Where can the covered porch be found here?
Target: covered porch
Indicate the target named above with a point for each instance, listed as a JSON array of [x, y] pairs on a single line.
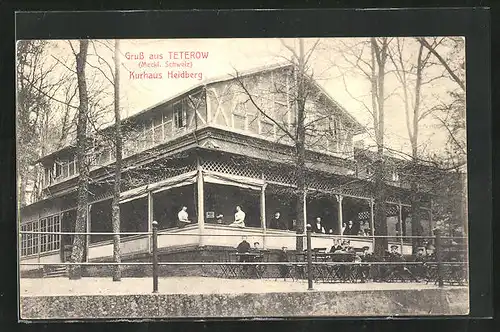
[[214, 186]]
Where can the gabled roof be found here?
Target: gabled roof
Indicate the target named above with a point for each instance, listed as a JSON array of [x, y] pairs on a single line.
[[223, 78]]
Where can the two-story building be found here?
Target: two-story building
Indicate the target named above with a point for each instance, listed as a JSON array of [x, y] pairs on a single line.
[[221, 144]]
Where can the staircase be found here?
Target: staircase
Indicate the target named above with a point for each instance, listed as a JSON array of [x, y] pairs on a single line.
[[56, 271]]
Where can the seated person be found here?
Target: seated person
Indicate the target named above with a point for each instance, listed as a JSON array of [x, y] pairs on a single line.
[[351, 250], [256, 247], [239, 218], [350, 228], [394, 251], [318, 226], [283, 257], [337, 245], [182, 217], [277, 222], [420, 256], [243, 248], [345, 244], [365, 251]]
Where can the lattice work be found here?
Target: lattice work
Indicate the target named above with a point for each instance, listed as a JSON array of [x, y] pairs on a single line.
[[279, 176], [392, 210], [365, 215], [157, 171], [321, 184], [232, 167]]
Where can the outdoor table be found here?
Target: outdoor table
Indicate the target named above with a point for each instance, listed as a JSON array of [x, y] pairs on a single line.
[[344, 272], [398, 272], [250, 270], [454, 273]]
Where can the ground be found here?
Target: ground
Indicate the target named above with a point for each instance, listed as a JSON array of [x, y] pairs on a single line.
[[193, 285]]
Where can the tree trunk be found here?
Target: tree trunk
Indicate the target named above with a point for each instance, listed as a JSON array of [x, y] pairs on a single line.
[[379, 59], [301, 189], [379, 207], [415, 208], [79, 242], [300, 147], [118, 169]]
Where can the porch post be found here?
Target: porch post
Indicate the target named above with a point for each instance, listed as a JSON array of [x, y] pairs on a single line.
[[201, 202], [340, 221], [39, 237], [430, 218], [304, 229], [87, 237], [400, 217], [305, 212], [150, 217], [263, 212], [372, 222]]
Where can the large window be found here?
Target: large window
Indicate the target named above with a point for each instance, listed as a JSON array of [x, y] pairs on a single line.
[[62, 169], [223, 199], [39, 243], [168, 203], [100, 220], [134, 216]]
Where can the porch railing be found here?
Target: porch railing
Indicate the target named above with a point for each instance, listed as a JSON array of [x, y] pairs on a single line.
[[313, 267]]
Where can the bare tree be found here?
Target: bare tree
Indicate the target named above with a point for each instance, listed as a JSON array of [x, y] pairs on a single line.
[[115, 205], [82, 158], [379, 58], [405, 70], [368, 58], [453, 71], [413, 76], [297, 94], [36, 127]]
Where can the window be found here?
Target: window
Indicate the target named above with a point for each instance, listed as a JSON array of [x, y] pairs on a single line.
[[167, 125], [141, 139], [395, 176], [239, 117], [65, 170], [58, 169], [43, 237], [24, 242], [47, 176], [103, 156], [148, 136], [72, 167], [158, 129], [31, 243], [179, 115]]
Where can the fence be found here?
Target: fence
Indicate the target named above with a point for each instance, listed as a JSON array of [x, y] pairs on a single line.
[[316, 264]]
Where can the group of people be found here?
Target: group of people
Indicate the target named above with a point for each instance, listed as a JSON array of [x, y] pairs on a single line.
[[276, 222], [239, 218], [351, 228]]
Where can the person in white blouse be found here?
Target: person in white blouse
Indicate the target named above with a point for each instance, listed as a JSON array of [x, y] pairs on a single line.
[[239, 218], [183, 218]]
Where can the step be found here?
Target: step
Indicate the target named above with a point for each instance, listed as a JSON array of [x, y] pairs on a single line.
[[54, 276], [56, 271]]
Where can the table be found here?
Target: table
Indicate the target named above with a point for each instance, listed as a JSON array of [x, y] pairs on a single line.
[[245, 270]]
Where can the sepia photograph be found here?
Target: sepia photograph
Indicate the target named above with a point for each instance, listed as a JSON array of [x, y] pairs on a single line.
[[242, 177]]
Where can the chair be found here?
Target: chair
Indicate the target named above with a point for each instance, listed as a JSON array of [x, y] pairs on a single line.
[[286, 270]]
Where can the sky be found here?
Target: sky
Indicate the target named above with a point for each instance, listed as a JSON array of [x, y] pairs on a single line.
[[225, 56]]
